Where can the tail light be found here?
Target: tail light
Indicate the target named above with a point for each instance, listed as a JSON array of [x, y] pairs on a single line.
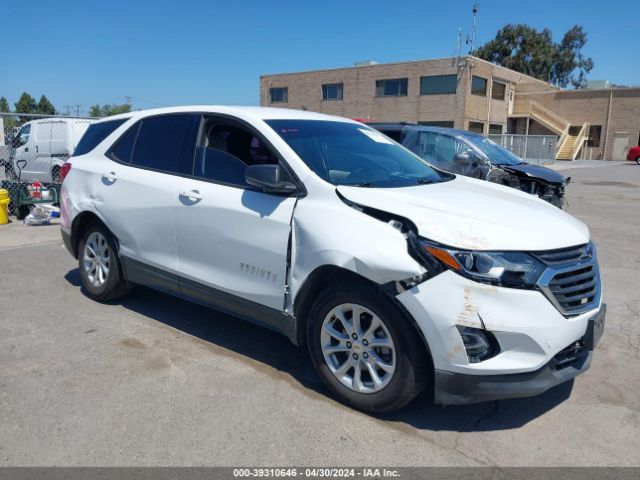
[[64, 170]]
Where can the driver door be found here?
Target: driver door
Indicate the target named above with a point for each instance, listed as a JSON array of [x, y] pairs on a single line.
[[232, 239]]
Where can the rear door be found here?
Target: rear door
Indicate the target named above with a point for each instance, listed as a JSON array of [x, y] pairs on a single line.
[[136, 194]]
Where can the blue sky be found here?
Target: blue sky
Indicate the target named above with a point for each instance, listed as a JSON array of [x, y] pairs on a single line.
[[170, 52]]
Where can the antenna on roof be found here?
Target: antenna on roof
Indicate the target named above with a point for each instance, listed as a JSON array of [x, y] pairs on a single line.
[[473, 30], [458, 44]]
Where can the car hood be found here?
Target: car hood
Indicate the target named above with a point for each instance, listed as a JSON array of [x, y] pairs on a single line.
[[534, 171], [472, 214]]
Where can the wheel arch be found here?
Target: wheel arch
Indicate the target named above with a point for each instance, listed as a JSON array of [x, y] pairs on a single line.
[[81, 224], [326, 274]]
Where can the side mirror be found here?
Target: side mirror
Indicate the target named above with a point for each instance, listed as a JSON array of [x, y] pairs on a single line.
[[269, 178], [464, 158], [23, 140]]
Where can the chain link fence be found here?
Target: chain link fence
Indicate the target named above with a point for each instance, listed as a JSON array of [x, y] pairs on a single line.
[[538, 149], [32, 150]]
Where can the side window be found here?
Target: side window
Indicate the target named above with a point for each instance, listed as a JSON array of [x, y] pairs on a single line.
[[95, 134], [122, 151], [427, 148], [225, 149], [166, 143], [446, 150], [23, 135]]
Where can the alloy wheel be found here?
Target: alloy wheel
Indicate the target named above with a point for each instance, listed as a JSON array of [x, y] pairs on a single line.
[[96, 259], [358, 348]]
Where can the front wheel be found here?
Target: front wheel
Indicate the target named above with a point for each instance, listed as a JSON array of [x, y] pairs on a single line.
[[365, 349], [100, 271], [638, 160]]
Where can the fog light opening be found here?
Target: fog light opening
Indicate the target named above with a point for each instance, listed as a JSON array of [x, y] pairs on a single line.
[[479, 344]]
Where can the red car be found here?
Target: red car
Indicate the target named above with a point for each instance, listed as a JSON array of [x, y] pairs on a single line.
[[634, 154]]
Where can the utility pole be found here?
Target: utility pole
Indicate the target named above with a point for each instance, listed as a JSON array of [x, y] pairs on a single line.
[[77, 110], [473, 32]]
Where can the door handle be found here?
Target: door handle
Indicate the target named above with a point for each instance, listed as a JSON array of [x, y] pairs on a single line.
[[111, 176], [36, 149], [192, 195]]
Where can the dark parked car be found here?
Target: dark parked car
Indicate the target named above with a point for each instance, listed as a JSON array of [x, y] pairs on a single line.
[[473, 155]]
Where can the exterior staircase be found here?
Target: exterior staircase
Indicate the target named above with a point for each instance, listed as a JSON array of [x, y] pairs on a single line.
[[568, 145]]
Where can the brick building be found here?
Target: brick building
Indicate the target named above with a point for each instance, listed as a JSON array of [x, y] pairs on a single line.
[[467, 93]]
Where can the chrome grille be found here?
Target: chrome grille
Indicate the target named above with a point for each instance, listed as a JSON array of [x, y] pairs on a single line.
[[572, 279]]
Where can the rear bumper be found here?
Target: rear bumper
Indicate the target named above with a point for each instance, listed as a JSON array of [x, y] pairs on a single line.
[[457, 388], [66, 239]]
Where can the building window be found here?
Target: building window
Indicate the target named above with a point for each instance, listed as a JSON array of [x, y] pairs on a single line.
[[438, 123], [279, 95], [332, 91], [438, 84], [476, 127], [498, 90], [594, 135], [479, 86], [395, 87], [495, 129]]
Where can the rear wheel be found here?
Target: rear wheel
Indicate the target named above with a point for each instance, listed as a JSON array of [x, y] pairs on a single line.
[[365, 349], [100, 270], [638, 160]]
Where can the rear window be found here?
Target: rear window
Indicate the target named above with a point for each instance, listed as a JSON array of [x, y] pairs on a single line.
[[95, 134], [167, 143]]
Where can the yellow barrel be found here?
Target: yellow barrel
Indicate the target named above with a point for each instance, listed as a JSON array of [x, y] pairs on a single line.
[[4, 206]]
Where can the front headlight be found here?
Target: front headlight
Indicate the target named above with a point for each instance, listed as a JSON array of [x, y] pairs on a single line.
[[506, 269]]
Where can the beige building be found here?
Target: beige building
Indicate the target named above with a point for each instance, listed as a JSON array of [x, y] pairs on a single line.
[[467, 93]]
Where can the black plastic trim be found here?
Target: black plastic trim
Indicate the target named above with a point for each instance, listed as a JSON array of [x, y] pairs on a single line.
[[143, 274], [456, 388], [66, 239]]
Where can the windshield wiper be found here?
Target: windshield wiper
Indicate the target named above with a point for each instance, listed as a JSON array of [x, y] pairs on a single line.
[[363, 184], [424, 181]]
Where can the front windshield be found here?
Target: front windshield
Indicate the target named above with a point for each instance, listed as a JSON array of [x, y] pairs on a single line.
[[343, 153], [494, 152]]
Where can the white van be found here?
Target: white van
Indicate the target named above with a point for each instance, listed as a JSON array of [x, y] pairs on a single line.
[[45, 145]]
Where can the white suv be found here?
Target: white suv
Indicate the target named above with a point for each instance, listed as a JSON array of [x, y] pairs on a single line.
[[396, 276]]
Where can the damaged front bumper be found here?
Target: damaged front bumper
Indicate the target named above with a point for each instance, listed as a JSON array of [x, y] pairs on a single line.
[[456, 388], [539, 347]]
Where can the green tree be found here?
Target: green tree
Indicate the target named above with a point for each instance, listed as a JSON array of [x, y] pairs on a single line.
[[45, 106], [524, 49], [108, 110], [9, 122], [26, 104]]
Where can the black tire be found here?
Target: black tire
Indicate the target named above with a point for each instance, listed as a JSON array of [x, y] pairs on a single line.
[[413, 366], [22, 211], [638, 160], [115, 286]]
